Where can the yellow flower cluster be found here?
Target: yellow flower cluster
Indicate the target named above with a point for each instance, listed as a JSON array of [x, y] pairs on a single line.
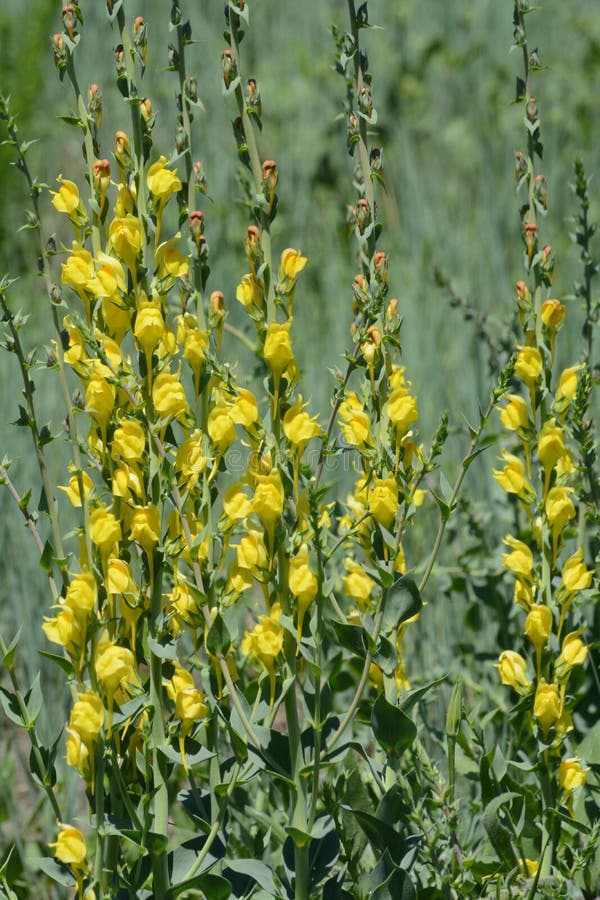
[[538, 423]]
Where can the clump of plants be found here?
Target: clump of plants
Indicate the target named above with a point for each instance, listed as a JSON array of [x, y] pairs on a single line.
[[234, 622]]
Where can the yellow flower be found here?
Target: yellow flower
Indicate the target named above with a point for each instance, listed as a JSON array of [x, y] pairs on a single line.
[[251, 552], [357, 584], [119, 577], [220, 428], [115, 670], [104, 529], [528, 366], [78, 755], [87, 717], [250, 292], [65, 629], [538, 625], [236, 504], [82, 594], [291, 264], [573, 653], [72, 489], [512, 669], [571, 775], [67, 199], [70, 846], [553, 313], [168, 396], [559, 508], [567, 387], [278, 351], [298, 426], [551, 446], [265, 643], [402, 410], [546, 705], [303, 584], [268, 498], [523, 594], [512, 477], [110, 277], [170, 261], [354, 421], [382, 500], [145, 527], [100, 398], [515, 415], [78, 271], [195, 347], [575, 576], [519, 560], [191, 460], [162, 182], [125, 237], [244, 409], [149, 327], [129, 441], [529, 867]]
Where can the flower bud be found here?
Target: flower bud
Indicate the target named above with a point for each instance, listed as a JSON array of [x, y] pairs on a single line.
[[380, 261], [200, 183], [146, 109], [530, 231], [197, 226], [229, 67], [69, 18]]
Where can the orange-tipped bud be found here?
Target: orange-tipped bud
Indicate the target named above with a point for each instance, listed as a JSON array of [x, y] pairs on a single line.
[[146, 109], [197, 226]]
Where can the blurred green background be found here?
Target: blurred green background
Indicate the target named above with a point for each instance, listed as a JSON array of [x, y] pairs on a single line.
[[443, 80]]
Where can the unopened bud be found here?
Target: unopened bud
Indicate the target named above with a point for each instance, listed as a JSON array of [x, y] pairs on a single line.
[[146, 109], [269, 170], [58, 51], [363, 214], [199, 177], [95, 103], [520, 166], [381, 263], [138, 23], [253, 97], [69, 18], [197, 226], [190, 87], [530, 231], [392, 309], [540, 192], [365, 100], [532, 110], [217, 305], [119, 54], [122, 148], [229, 67], [253, 248]]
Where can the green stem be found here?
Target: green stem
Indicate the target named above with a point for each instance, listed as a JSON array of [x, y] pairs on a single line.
[[255, 165], [160, 797], [212, 834], [29, 726]]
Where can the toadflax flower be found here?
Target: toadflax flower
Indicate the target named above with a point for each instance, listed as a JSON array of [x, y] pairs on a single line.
[[265, 643]]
